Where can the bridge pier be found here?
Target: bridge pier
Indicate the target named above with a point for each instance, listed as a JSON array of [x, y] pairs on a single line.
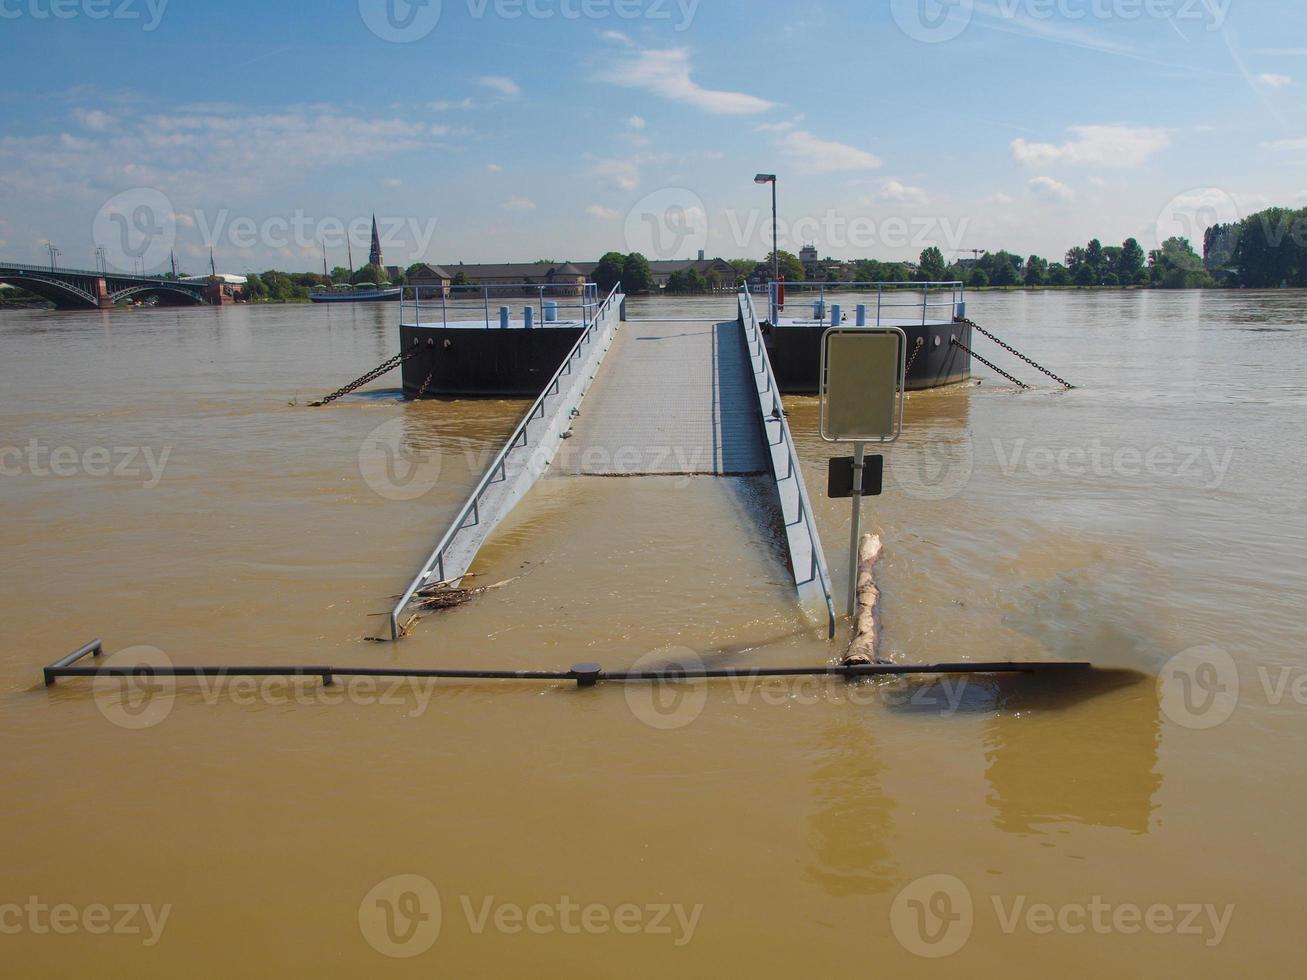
[[215, 294], [102, 297]]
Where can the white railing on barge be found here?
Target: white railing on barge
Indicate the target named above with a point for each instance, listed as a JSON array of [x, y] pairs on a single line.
[[464, 306], [948, 298]]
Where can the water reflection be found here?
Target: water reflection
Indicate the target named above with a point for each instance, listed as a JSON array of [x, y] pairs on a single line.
[[850, 830]]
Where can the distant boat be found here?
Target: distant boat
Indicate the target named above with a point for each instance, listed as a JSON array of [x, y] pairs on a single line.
[[364, 292]]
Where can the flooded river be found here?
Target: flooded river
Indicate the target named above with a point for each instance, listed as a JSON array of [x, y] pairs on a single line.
[[165, 487]]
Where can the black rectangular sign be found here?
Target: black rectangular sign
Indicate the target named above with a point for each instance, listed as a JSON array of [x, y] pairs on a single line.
[[841, 477]]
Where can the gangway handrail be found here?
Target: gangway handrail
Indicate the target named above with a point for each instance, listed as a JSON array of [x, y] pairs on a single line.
[[435, 564], [819, 570], [956, 302]]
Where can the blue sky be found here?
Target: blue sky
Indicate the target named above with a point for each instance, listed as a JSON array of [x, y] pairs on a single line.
[[485, 130]]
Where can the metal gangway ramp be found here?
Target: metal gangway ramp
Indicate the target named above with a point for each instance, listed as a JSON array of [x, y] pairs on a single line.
[[673, 398], [663, 398]]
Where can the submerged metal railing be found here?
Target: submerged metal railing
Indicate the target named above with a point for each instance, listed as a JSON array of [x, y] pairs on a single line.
[[818, 572], [432, 306], [433, 570], [950, 298], [586, 675]]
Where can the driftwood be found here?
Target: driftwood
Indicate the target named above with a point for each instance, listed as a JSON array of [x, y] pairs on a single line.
[[865, 648], [442, 595]]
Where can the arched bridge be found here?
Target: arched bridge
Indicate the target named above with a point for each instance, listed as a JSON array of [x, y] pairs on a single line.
[[80, 289]]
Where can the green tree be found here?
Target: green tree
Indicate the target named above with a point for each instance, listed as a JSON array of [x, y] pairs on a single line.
[[791, 267], [1084, 275], [1059, 275], [1095, 258], [341, 274], [637, 277], [369, 273], [608, 273], [979, 278], [932, 265], [1272, 249], [1036, 271], [1130, 267]]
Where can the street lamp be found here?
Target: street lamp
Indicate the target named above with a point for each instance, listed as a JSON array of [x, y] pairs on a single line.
[[54, 253], [775, 235]]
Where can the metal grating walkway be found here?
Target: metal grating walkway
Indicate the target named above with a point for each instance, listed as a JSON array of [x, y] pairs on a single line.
[[673, 398]]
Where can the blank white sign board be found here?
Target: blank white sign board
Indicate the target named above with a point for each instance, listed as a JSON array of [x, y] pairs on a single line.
[[862, 377]]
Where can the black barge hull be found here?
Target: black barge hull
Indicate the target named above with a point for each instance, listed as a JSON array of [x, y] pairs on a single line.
[[796, 356], [466, 362], [473, 363]]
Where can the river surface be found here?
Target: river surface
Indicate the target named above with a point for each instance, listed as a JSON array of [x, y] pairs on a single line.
[[166, 487]]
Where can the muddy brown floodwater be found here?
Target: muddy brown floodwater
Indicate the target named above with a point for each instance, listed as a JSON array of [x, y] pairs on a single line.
[[164, 486]]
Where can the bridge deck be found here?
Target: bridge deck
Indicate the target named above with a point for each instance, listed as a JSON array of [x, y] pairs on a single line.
[[673, 398]]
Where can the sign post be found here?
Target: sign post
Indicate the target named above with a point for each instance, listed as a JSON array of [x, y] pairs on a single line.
[[863, 373]]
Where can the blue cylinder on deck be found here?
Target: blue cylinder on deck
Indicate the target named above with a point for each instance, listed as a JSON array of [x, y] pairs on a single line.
[[819, 311], [962, 311], [862, 314], [835, 314], [530, 317], [503, 318], [551, 312]]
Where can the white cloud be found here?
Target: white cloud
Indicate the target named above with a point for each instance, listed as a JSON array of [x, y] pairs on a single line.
[[811, 155], [1001, 199], [200, 155], [1274, 81], [1097, 182], [622, 174], [94, 119], [897, 192], [668, 73], [1103, 146], [1051, 190], [617, 37], [494, 168], [602, 213], [518, 204], [393, 182], [1286, 145], [498, 83], [445, 105], [636, 122], [1301, 198], [776, 127]]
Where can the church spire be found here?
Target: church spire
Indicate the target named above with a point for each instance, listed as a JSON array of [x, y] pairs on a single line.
[[374, 257]]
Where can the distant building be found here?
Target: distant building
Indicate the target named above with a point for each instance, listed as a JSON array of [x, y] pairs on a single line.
[[718, 272], [502, 275], [810, 261]]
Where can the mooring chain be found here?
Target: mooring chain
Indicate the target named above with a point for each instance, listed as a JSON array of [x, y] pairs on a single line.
[[1012, 350], [425, 385], [912, 360], [376, 372], [992, 367]]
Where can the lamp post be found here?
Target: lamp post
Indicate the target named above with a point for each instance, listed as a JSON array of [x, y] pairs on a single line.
[[775, 235], [54, 254]]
